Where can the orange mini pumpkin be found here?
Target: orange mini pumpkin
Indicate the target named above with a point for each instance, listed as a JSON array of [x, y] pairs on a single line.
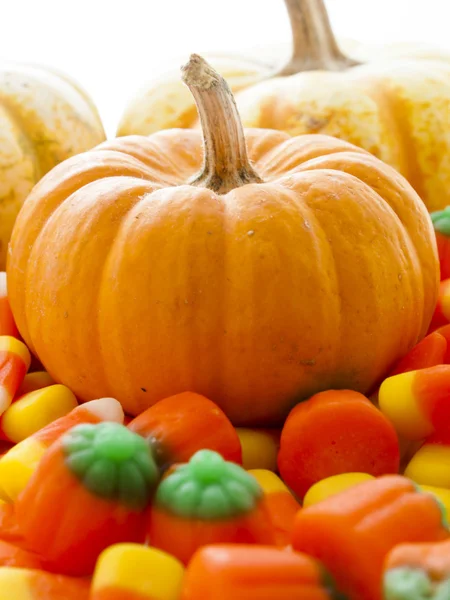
[[396, 105], [282, 267], [45, 117]]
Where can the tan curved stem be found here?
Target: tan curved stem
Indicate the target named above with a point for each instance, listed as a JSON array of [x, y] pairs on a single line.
[[314, 44], [226, 164]]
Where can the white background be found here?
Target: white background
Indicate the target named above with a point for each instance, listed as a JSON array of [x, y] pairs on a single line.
[[112, 47]]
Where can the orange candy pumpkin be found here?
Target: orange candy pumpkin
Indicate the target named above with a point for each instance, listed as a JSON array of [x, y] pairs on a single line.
[[282, 267]]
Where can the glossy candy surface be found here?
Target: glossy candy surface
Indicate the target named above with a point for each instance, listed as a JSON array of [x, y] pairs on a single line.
[[335, 432], [90, 490], [418, 572], [441, 314], [179, 426], [259, 448], [330, 486], [136, 572], [30, 584], [207, 500], [417, 402], [15, 361], [35, 410], [162, 510], [352, 532], [281, 505], [7, 324], [429, 352], [430, 465], [243, 572], [19, 463]]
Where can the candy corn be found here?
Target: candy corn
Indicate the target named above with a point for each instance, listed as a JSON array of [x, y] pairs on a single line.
[[417, 402], [429, 352], [15, 361], [430, 464], [30, 584], [34, 410], [7, 324], [136, 572], [281, 505], [442, 495], [333, 485], [259, 448], [19, 463]]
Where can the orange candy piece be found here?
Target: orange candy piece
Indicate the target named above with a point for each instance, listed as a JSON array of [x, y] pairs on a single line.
[[335, 432], [117, 594], [433, 558], [245, 572], [418, 571], [281, 506], [14, 556], [208, 501], [432, 388], [351, 533], [445, 332], [444, 254], [418, 402], [15, 361], [429, 352], [19, 463], [7, 324], [441, 314], [182, 537], [182, 424], [67, 523], [9, 528]]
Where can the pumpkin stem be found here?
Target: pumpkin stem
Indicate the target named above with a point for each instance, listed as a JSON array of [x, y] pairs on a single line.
[[226, 164], [314, 44]]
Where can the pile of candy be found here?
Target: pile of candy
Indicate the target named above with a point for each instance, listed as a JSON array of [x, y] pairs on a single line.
[[177, 504]]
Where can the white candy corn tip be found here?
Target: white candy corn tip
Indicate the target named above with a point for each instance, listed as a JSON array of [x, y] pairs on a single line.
[[106, 409], [5, 400], [3, 287]]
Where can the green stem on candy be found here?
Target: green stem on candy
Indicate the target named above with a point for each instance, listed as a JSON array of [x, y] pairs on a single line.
[[208, 488], [112, 462]]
